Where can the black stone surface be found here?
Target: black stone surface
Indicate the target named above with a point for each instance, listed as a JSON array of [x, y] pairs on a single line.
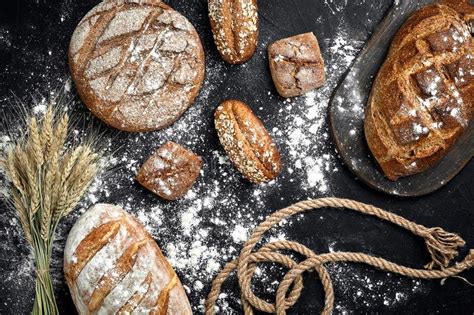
[[29, 29]]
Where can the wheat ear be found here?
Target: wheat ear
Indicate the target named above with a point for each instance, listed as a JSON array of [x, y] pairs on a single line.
[[47, 180]]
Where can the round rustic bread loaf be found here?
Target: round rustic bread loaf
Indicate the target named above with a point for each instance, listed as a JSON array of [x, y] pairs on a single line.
[[247, 142], [137, 64]]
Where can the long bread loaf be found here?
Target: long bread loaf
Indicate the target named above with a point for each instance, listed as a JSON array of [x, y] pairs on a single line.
[[113, 266], [423, 97]]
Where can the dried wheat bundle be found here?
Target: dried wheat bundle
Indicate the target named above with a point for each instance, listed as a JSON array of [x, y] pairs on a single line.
[[47, 180]]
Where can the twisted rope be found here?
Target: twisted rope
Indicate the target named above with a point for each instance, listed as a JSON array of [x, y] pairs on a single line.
[[441, 245]]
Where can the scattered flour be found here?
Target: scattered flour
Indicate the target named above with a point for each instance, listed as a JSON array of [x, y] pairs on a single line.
[[361, 285], [206, 228], [335, 6], [305, 135], [239, 235]]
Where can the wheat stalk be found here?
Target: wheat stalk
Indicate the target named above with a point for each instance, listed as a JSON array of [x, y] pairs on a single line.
[[35, 144], [47, 180]]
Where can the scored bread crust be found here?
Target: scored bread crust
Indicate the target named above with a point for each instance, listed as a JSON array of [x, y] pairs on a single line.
[[137, 64], [234, 25], [296, 64], [247, 142], [112, 265], [420, 103], [170, 171]]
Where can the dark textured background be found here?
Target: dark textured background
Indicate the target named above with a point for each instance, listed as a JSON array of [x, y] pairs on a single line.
[[31, 28]]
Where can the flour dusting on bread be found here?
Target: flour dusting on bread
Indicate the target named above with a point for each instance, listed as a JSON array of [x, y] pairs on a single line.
[[422, 99], [137, 65], [116, 270]]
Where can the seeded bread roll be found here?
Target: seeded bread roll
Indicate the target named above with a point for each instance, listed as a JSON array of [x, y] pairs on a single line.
[[423, 97], [170, 171], [137, 64], [113, 266], [247, 142], [234, 24]]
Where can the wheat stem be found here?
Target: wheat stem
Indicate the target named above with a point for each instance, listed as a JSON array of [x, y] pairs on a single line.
[[47, 180]]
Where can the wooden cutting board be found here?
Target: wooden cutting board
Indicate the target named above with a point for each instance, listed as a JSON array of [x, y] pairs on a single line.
[[346, 115]]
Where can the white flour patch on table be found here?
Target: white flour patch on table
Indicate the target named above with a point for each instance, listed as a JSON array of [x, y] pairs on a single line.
[[5, 38], [336, 6], [355, 285], [239, 234], [305, 135]]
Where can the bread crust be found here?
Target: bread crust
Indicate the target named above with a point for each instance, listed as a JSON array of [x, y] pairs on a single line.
[[422, 99], [234, 25], [170, 171], [247, 142], [113, 265], [137, 64], [296, 65]]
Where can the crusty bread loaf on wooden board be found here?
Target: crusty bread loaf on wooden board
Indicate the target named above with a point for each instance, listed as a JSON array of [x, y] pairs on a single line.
[[113, 266], [423, 97]]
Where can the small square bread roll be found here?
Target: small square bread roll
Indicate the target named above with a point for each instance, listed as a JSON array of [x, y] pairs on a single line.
[[170, 171], [296, 65]]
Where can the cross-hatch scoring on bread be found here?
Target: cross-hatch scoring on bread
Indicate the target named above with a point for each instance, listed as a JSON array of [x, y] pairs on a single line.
[[296, 65], [423, 97]]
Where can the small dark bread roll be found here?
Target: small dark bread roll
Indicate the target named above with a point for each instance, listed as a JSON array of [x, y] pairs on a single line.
[[234, 25], [170, 171], [137, 64], [296, 65], [247, 142]]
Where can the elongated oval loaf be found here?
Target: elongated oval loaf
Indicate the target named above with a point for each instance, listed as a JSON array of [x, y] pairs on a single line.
[[113, 266], [423, 97], [234, 24], [247, 142]]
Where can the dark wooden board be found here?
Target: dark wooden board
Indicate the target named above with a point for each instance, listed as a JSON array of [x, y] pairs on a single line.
[[347, 118]]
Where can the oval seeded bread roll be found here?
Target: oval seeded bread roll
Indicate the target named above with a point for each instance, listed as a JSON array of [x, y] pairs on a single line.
[[423, 97], [113, 266], [234, 25], [247, 142], [137, 64]]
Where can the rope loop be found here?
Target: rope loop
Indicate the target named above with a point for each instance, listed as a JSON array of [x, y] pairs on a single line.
[[441, 245]]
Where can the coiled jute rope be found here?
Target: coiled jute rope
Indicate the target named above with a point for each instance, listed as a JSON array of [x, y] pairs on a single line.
[[441, 245]]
